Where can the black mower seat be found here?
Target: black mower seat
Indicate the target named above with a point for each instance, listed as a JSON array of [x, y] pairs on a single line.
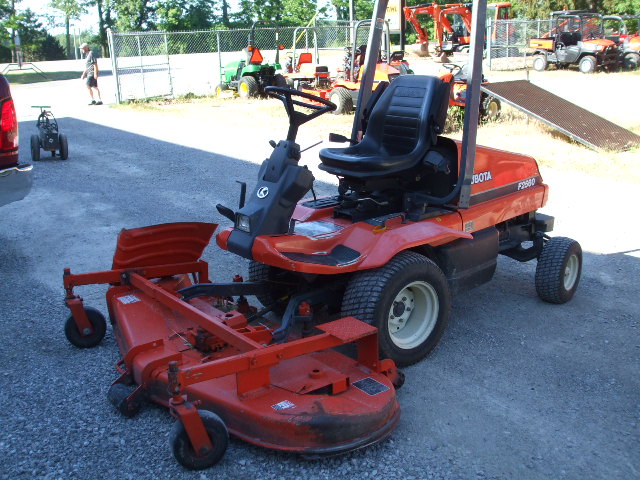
[[403, 126]]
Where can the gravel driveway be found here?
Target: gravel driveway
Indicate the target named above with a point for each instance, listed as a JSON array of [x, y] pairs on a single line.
[[517, 389]]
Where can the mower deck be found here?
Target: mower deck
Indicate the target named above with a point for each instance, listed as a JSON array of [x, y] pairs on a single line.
[[299, 396]]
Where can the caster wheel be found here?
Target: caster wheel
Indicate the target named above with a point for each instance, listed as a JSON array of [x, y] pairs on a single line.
[[184, 452], [88, 340]]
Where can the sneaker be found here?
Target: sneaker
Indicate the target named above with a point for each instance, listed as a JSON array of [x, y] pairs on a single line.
[[93, 102], [99, 102]]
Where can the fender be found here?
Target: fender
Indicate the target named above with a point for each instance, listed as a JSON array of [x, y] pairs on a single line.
[[341, 251]]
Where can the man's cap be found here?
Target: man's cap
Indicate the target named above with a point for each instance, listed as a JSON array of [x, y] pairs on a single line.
[[82, 46]]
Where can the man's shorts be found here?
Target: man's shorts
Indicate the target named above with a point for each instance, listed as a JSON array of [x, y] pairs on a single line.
[[92, 82]]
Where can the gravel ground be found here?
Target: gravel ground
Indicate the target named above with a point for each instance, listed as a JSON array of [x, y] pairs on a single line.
[[516, 389]]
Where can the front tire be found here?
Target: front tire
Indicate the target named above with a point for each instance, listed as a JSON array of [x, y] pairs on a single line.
[[587, 64], [490, 109], [407, 299], [184, 452], [35, 148], [558, 270], [342, 98]]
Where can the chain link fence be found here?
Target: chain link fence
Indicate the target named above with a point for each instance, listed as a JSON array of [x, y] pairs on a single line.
[[152, 64], [508, 42]]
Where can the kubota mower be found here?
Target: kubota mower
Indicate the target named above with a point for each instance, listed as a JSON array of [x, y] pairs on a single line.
[[416, 216], [489, 105], [302, 71]]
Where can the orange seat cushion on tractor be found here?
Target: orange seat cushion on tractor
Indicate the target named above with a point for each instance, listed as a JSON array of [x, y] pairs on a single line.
[[304, 58]]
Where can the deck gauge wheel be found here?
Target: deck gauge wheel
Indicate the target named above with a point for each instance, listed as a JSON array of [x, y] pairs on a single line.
[[184, 452], [86, 339]]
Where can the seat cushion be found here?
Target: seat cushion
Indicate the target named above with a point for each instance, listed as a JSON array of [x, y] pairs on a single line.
[[400, 130]]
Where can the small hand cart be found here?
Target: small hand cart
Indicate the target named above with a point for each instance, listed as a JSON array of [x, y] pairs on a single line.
[[48, 138]]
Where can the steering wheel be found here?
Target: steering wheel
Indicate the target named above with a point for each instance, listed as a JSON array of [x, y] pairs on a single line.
[[297, 118], [452, 67]]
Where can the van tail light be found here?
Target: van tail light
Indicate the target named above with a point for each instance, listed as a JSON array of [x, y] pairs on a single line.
[[8, 127]]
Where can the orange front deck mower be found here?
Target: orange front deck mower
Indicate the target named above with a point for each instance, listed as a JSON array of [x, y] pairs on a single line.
[[416, 217]]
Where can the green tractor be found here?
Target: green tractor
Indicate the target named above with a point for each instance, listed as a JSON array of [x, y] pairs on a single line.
[[250, 77]]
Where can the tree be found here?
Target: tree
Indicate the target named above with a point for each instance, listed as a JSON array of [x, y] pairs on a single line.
[[363, 9], [72, 10], [134, 15], [177, 15]]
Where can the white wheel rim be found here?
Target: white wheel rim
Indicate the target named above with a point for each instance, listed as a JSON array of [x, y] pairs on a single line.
[[571, 272], [585, 66], [538, 64], [413, 315]]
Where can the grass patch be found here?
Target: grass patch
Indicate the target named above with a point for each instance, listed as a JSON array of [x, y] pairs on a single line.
[[29, 76]]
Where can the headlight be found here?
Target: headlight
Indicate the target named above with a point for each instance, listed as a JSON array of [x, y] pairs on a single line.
[[243, 223]]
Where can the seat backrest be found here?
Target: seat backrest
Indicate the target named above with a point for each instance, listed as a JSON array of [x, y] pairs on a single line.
[[410, 114], [305, 57]]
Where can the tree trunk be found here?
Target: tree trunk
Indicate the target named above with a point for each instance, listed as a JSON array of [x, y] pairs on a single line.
[[225, 14], [68, 36]]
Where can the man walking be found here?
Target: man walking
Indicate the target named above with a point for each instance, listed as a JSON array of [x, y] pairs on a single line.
[[91, 73]]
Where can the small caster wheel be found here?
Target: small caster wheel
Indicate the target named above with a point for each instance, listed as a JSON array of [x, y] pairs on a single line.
[[117, 396], [184, 452], [88, 340]]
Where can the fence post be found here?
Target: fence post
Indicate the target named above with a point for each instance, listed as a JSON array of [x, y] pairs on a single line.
[[219, 58], [114, 64], [166, 47], [490, 28], [144, 88]]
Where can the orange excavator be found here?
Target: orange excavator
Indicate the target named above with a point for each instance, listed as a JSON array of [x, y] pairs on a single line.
[[452, 23]]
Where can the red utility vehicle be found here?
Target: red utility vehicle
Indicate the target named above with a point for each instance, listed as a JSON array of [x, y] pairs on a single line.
[[627, 38]]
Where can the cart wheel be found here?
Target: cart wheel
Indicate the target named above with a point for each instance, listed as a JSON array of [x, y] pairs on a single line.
[[117, 396], [587, 64], [540, 63], [407, 299], [558, 270], [248, 87], [183, 451], [342, 98], [64, 146], [86, 341], [35, 148]]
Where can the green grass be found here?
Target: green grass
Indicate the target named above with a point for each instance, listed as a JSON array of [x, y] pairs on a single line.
[[31, 76]]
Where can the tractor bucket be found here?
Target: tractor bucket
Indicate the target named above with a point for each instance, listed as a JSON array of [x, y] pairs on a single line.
[[420, 49]]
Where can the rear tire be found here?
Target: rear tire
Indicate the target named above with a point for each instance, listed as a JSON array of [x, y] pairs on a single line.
[[248, 87], [587, 64], [280, 81], [35, 148], [342, 98], [540, 63], [558, 270], [64, 146], [184, 452], [221, 87], [407, 299]]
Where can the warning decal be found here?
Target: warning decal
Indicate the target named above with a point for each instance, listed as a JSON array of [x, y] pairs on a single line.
[[370, 386]]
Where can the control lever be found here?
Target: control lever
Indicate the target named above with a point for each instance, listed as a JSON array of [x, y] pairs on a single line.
[[273, 143], [226, 211]]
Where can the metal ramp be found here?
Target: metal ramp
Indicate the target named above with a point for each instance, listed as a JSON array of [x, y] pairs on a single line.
[[577, 123]]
